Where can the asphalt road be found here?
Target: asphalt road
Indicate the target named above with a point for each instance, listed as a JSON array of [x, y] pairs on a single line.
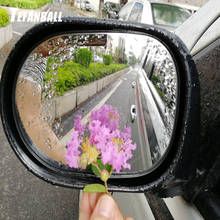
[[24, 196]]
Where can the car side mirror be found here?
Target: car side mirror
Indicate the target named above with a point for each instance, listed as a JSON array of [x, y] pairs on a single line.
[[87, 90]]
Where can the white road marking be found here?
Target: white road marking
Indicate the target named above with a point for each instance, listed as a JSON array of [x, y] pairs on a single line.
[[48, 10], [20, 34], [85, 119]]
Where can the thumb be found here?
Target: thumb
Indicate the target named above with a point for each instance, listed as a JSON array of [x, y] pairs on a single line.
[[106, 209]]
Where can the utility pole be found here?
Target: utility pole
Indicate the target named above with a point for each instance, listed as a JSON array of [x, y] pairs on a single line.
[[101, 2], [72, 2]]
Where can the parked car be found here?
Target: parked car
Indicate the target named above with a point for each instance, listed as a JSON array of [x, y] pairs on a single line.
[[88, 6], [83, 5], [110, 10], [163, 15]]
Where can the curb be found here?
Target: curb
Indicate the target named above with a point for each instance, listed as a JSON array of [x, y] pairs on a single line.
[[12, 10], [62, 105], [5, 35]]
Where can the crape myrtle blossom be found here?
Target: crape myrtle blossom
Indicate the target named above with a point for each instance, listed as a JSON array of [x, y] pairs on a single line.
[[78, 126], [105, 141], [73, 152], [107, 116]]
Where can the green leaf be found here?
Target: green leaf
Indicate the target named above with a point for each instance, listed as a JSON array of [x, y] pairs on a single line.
[[89, 167], [108, 167], [94, 188], [100, 164], [95, 170]]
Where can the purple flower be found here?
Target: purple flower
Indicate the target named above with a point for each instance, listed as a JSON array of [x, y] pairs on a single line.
[[78, 126], [73, 152], [126, 134], [116, 151], [107, 116], [105, 140]]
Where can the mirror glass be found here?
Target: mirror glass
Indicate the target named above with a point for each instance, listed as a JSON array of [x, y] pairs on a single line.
[[115, 86]]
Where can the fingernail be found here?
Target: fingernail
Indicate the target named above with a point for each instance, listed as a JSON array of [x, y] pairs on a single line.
[[105, 207]]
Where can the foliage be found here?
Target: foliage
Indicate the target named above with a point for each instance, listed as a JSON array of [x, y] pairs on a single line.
[[120, 56], [94, 188], [107, 59], [155, 79], [4, 18], [28, 4], [83, 56], [70, 74]]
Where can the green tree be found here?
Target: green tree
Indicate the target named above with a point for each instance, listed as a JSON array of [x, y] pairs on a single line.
[[107, 59], [83, 56]]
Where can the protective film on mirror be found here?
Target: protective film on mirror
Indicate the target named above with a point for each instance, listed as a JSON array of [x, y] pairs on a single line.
[[107, 96]]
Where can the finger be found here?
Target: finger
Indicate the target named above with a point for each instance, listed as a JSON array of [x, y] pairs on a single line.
[[106, 209], [87, 205], [129, 218], [93, 199], [84, 211]]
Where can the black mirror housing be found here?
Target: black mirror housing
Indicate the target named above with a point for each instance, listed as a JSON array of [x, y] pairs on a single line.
[[174, 174]]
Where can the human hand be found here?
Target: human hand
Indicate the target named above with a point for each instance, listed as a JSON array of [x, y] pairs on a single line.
[[99, 206]]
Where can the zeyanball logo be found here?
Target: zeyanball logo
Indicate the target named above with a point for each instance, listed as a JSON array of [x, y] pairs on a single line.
[[36, 16]]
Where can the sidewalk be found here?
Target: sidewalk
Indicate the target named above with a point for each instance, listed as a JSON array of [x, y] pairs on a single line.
[[5, 50]]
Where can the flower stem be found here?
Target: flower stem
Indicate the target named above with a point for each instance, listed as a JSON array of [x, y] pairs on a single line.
[[111, 172], [106, 187]]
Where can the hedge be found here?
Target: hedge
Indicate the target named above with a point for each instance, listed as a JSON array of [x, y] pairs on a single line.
[[71, 74], [27, 4], [4, 18]]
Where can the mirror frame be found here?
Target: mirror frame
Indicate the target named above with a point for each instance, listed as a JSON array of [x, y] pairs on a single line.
[[174, 173]]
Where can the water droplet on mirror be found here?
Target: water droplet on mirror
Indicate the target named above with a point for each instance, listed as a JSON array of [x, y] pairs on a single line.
[[164, 52], [66, 41], [34, 56], [54, 66]]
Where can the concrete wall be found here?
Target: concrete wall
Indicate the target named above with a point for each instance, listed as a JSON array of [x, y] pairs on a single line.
[[5, 35], [59, 106]]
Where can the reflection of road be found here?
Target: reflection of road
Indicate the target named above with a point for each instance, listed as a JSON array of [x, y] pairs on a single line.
[[120, 95]]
